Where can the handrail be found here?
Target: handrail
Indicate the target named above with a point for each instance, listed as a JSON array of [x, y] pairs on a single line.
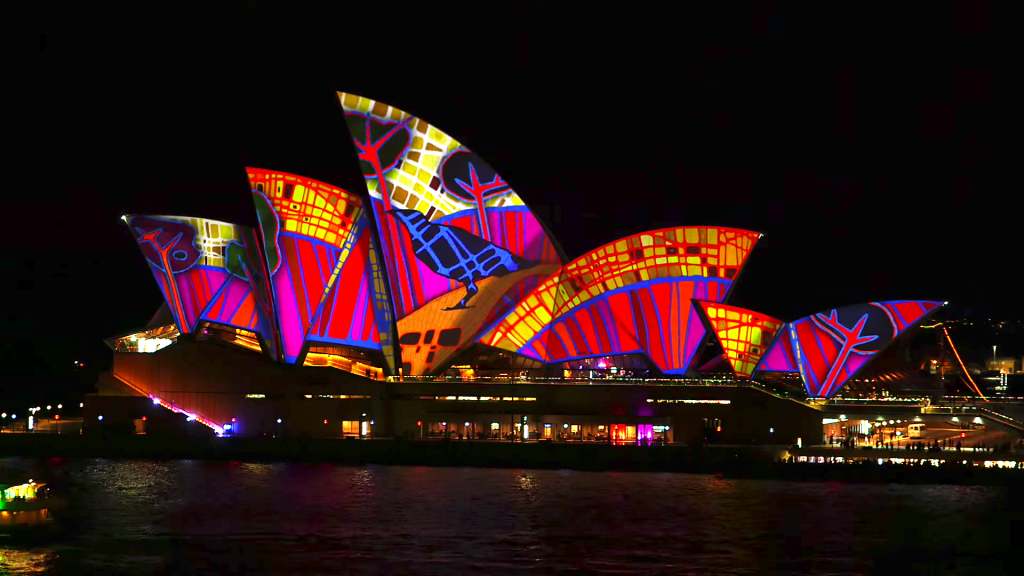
[[1006, 420], [572, 382], [697, 382], [760, 388]]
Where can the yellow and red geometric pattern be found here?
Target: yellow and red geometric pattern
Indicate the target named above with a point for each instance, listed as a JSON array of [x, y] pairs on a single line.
[[317, 229], [691, 251], [416, 185], [744, 334], [309, 207]]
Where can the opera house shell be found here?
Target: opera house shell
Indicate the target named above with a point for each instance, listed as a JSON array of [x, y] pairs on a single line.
[[438, 274]]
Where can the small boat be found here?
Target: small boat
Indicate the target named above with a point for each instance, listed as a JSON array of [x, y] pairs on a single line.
[[26, 510]]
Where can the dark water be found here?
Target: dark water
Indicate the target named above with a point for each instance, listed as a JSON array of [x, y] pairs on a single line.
[[195, 517]]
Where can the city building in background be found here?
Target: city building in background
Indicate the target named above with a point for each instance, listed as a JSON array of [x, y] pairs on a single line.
[[1004, 365]]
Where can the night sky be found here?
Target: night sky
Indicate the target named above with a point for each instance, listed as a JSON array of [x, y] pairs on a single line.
[[872, 171]]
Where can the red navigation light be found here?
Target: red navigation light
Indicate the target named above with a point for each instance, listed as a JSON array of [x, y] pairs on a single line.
[[419, 422]]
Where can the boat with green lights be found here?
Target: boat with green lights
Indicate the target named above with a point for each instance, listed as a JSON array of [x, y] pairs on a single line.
[[27, 509]]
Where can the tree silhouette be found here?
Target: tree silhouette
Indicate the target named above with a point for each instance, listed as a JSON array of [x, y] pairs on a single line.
[[270, 226], [850, 340], [170, 248], [467, 177], [380, 145]]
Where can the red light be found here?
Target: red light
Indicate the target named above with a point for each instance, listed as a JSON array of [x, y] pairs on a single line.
[[419, 422], [56, 417], [325, 421], [963, 434], [143, 418], [719, 429], [234, 419]]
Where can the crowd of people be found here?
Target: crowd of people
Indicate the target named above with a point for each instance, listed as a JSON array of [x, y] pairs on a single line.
[[937, 445], [898, 462]]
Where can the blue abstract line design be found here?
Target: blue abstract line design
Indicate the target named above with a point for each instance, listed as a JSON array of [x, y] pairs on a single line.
[[456, 254]]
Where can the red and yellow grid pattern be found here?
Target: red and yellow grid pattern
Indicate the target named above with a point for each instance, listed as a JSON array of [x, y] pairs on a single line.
[[692, 251], [309, 207], [744, 334], [414, 182]]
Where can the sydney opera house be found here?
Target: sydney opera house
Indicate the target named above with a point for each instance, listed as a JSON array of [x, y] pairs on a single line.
[[434, 303]]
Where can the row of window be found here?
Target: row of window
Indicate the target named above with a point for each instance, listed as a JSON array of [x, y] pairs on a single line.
[[479, 398], [686, 401], [312, 396]]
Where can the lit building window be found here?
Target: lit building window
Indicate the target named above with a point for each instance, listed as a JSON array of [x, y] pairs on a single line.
[[343, 359], [686, 401], [147, 341]]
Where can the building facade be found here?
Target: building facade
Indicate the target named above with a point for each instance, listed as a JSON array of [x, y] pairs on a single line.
[[437, 297]]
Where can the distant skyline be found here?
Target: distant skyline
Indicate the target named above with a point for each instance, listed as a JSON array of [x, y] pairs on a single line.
[[869, 182]]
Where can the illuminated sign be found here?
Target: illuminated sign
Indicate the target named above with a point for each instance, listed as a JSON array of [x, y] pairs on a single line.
[[255, 396]]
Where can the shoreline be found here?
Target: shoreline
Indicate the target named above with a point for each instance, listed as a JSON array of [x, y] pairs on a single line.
[[540, 455], [735, 462]]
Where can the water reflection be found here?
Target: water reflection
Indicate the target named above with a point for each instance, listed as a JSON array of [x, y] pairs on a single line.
[[31, 561], [527, 485], [257, 468], [138, 517]]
